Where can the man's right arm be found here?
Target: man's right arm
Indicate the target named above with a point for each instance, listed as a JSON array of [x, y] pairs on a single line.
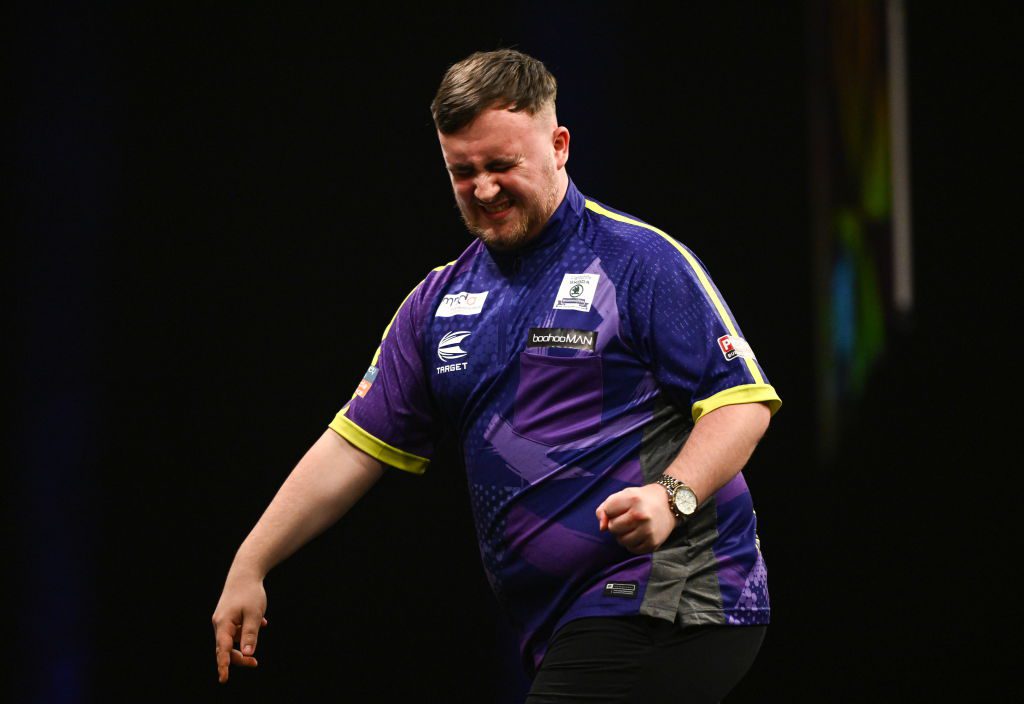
[[331, 477]]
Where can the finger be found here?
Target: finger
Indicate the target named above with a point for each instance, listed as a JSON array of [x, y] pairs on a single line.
[[637, 541], [622, 525], [250, 632], [225, 639], [244, 660], [629, 521], [618, 503], [637, 515], [602, 520]]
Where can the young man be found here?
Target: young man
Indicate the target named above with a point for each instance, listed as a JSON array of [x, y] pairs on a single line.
[[605, 403]]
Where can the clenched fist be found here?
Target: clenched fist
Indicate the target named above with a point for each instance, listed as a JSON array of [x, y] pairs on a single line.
[[638, 517]]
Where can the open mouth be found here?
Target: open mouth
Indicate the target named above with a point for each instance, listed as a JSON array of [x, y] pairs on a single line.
[[498, 210]]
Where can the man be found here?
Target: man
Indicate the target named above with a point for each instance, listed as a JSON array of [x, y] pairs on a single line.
[[605, 403]]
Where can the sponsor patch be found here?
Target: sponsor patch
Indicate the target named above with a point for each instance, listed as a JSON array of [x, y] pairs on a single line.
[[625, 590], [733, 347], [562, 337], [448, 348], [462, 303], [576, 292], [367, 382], [456, 367]]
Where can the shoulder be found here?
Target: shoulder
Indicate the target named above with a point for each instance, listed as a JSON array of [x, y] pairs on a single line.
[[437, 281], [626, 242]]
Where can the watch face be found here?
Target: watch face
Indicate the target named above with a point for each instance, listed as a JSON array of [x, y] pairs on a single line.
[[686, 501]]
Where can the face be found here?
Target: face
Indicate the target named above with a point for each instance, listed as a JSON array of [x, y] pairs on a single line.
[[508, 173]]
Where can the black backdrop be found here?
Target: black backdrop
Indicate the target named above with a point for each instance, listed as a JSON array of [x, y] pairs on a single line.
[[216, 211]]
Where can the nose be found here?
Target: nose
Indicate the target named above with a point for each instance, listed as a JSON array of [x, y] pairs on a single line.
[[485, 187]]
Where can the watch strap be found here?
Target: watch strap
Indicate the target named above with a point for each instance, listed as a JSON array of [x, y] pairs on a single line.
[[672, 485]]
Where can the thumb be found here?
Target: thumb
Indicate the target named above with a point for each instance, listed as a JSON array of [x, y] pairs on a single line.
[[250, 631]]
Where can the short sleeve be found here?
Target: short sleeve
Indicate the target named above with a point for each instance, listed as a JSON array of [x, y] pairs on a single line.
[[391, 415], [686, 332]]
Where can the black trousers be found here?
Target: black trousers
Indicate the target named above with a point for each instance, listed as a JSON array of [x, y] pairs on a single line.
[[643, 659]]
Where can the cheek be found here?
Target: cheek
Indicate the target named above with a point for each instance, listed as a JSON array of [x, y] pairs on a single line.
[[513, 186], [463, 192]]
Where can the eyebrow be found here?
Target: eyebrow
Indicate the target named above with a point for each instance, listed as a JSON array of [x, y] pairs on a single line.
[[498, 161]]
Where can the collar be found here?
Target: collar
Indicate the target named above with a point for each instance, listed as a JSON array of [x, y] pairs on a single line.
[[561, 223]]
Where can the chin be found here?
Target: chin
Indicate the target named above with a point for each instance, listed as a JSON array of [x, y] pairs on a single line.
[[502, 244], [503, 240], [509, 237]]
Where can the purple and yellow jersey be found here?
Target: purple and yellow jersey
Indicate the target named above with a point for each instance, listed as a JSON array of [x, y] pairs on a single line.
[[569, 370]]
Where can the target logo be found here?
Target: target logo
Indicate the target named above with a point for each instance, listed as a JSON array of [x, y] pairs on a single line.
[[448, 348]]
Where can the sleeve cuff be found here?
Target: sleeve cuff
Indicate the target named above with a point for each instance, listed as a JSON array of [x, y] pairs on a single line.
[[747, 393], [377, 448]]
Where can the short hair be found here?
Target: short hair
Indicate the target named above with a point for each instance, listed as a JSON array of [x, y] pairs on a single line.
[[504, 78]]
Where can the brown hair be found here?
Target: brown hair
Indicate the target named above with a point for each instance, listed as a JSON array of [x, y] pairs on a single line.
[[504, 78]]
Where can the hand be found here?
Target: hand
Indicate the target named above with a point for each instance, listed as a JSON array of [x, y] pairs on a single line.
[[638, 517], [237, 621]]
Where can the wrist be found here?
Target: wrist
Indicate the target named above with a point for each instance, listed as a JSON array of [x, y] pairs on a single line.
[[682, 500], [660, 505], [247, 565]]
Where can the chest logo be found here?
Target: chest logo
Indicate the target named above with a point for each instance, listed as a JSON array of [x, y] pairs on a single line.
[[562, 337], [448, 348], [462, 303], [576, 292]]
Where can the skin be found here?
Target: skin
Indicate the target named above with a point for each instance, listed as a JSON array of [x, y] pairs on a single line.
[[508, 173], [515, 163], [719, 446], [331, 477]]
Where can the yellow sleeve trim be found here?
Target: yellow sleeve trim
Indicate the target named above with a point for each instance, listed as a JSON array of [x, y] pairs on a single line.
[[701, 276], [377, 448], [747, 393]]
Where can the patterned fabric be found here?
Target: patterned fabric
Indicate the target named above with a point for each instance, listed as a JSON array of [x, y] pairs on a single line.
[[569, 370]]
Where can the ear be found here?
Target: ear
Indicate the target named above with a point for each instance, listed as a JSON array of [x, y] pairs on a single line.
[[560, 142]]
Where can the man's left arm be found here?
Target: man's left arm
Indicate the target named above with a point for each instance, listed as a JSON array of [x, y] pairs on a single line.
[[718, 447]]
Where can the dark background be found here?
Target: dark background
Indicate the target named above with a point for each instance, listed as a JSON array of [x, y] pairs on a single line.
[[215, 212]]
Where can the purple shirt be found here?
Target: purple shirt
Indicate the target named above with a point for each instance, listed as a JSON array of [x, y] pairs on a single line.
[[569, 370]]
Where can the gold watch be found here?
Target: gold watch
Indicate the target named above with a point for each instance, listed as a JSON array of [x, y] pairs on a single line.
[[681, 499]]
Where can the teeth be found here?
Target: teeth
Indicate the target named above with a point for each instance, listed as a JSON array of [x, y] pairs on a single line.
[[495, 207]]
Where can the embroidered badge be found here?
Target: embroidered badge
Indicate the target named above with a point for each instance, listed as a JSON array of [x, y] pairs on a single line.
[[562, 337], [462, 303], [576, 292], [367, 382], [733, 347], [625, 590]]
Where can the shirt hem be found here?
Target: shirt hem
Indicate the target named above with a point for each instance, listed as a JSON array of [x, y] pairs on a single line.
[[726, 617]]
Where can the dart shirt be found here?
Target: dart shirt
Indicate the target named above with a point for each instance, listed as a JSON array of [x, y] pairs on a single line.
[[568, 370]]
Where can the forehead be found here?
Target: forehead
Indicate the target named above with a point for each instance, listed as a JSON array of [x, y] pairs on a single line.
[[494, 132]]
